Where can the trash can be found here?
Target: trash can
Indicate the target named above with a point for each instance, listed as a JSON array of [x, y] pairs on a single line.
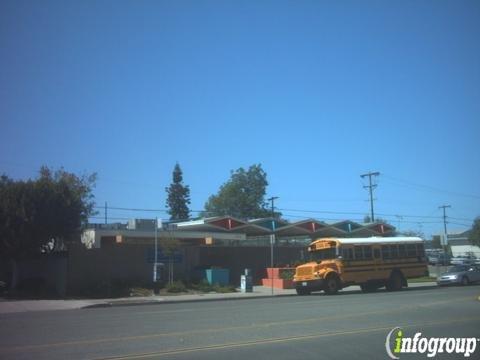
[[246, 283]]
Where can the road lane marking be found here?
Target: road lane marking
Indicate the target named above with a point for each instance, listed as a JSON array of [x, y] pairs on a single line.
[[278, 340], [224, 329]]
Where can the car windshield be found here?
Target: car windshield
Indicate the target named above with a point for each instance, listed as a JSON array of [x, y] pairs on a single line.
[[320, 255], [457, 268]]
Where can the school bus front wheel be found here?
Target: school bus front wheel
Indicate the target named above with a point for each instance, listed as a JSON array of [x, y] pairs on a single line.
[[332, 284]]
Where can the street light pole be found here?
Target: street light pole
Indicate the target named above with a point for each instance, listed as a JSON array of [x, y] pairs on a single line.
[[272, 237]]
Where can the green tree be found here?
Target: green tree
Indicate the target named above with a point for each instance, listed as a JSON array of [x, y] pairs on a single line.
[[39, 215], [178, 196], [474, 235], [242, 196]]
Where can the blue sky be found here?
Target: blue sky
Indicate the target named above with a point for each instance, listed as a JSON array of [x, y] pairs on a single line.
[[318, 92]]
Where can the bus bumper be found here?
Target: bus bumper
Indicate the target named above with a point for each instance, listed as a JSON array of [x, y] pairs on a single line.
[[310, 285]]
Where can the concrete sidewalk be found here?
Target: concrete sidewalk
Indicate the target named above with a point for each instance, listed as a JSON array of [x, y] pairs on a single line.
[[15, 306]]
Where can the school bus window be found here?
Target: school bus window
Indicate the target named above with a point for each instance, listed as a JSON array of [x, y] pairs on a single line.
[[385, 252], [420, 250], [393, 251], [324, 254], [358, 253], [367, 252], [347, 254], [401, 251], [411, 250], [376, 253]]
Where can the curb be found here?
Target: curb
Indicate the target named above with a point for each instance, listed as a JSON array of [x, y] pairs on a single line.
[[97, 306], [158, 302], [133, 302]]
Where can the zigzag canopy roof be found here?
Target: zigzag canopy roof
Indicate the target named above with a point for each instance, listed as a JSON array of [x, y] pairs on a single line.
[[283, 228]]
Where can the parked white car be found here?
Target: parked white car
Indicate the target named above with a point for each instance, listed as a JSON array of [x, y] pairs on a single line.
[[460, 275]]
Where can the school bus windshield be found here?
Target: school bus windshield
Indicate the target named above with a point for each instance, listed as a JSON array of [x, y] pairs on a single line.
[[324, 254]]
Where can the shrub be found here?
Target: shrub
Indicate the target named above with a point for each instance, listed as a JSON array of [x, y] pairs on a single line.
[[176, 287], [287, 274], [140, 291], [224, 289], [204, 286]]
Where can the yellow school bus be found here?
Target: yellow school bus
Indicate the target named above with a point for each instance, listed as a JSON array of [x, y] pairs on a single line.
[[372, 263]]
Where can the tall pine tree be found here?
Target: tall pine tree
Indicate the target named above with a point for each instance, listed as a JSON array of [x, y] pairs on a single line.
[[178, 197]]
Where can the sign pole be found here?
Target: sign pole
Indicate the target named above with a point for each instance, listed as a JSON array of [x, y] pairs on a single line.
[[272, 237], [156, 255]]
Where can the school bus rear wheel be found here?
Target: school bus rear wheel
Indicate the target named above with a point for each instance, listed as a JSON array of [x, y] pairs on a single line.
[[394, 283]]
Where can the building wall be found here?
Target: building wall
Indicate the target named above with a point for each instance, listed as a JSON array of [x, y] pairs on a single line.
[[91, 269], [462, 250], [256, 258], [45, 275]]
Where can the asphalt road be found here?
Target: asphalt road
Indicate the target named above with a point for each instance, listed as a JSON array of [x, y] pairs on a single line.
[[346, 326]]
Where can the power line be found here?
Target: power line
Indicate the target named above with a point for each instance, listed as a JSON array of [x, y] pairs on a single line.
[[360, 213], [361, 220], [110, 218], [132, 209], [324, 212], [297, 210], [461, 219], [455, 223], [430, 188], [142, 210]]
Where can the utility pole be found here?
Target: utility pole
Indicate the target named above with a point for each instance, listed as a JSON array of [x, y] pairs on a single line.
[[272, 236], [105, 213], [370, 187], [445, 236]]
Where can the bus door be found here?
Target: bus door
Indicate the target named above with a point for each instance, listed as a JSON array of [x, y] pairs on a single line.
[[347, 258]]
